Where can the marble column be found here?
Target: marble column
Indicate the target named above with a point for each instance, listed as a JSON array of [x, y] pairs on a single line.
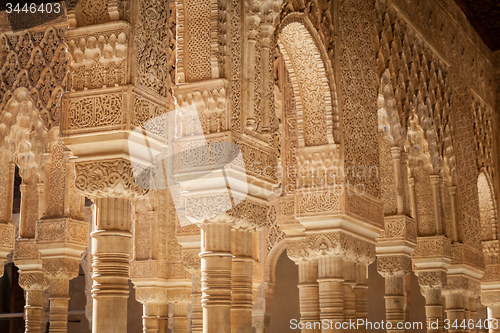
[[180, 317], [433, 309], [197, 310], [361, 294], [349, 275], [309, 294], [490, 297], [394, 269], [242, 263], [33, 283], [163, 318], [60, 272], [111, 248], [331, 290], [216, 265], [455, 310]]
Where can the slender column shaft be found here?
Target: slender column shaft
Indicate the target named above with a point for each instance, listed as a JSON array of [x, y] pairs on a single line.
[[266, 76], [162, 318], [361, 295], [413, 202], [249, 77], [241, 310], [453, 198], [394, 302], [309, 294], [331, 291], [216, 277], [434, 310], [455, 311], [494, 316], [180, 319], [33, 311], [58, 304], [197, 310], [436, 200], [466, 312], [349, 274], [111, 246], [396, 158], [473, 313], [150, 317]]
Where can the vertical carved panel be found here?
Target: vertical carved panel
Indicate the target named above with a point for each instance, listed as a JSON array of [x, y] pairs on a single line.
[[198, 40]]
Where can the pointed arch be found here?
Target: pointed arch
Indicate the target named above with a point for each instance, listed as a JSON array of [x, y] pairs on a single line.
[[315, 104], [487, 209]]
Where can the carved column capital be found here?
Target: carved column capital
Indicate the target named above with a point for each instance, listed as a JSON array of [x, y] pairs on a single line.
[[297, 249], [435, 279], [462, 284], [490, 298], [394, 265], [107, 178], [145, 294], [179, 295], [33, 281], [66, 268], [341, 244]]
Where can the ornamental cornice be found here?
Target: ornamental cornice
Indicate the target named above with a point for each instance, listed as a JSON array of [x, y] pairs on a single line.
[[463, 254], [399, 227], [63, 231], [432, 247]]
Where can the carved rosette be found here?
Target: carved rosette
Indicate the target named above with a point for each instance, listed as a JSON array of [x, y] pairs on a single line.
[[191, 261]]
